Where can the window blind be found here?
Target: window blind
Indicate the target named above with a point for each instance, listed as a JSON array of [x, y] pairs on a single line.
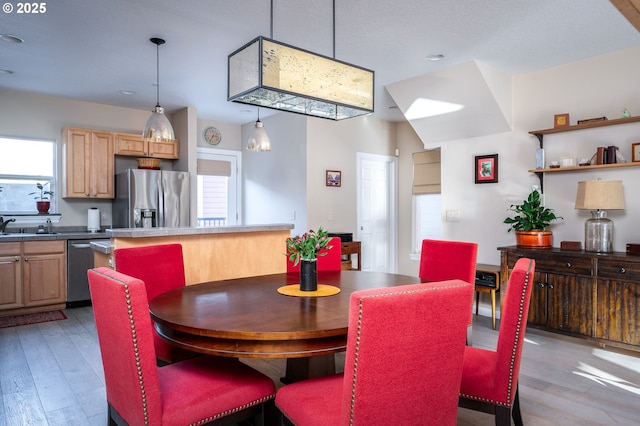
[[426, 172], [214, 168]]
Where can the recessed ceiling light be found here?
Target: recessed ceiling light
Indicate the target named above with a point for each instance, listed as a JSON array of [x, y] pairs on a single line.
[[127, 92], [11, 38], [5, 71], [435, 57]]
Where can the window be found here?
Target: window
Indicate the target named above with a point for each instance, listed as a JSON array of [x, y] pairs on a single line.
[[218, 187], [428, 223], [23, 164], [427, 200]]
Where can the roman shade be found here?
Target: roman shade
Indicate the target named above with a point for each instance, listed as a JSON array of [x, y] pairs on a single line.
[[426, 172], [213, 168]]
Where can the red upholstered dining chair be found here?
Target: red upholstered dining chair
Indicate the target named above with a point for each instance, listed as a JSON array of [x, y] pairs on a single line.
[[447, 260], [161, 268], [403, 362], [332, 261], [490, 378], [195, 391]]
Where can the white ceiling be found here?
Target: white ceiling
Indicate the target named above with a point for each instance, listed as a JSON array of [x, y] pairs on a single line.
[[92, 49]]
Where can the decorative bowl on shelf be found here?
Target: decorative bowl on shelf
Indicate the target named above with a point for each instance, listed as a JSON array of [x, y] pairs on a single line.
[[149, 163]]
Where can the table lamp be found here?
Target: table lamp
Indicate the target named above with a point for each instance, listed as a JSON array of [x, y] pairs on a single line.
[[598, 196]]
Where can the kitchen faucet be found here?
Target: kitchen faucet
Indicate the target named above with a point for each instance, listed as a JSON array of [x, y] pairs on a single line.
[[4, 224]]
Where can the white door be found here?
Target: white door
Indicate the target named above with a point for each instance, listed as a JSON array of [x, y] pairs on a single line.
[[377, 211]]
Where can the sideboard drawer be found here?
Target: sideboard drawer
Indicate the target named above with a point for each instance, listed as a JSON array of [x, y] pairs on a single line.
[[618, 270], [552, 262]]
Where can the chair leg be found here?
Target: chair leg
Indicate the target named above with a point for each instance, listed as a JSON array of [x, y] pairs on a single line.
[[477, 301], [503, 416], [515, 410], [493, 309]]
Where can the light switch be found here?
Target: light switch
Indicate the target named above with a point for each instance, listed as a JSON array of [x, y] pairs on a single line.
[[453, 215]]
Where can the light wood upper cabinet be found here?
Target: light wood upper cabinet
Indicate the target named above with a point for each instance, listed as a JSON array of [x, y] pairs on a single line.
[[133, 145], [88, 168]]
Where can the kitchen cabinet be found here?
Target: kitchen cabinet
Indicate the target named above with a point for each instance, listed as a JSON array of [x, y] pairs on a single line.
[[10, 276], [88, 167], [133, 145], [33, 276]]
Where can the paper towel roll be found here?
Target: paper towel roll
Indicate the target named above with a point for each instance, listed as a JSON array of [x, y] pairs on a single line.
[[93, 219]]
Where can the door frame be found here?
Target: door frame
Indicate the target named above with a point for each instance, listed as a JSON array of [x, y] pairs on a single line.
[[235, 158]]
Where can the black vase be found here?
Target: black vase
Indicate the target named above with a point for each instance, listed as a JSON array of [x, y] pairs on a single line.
[[308, 275]]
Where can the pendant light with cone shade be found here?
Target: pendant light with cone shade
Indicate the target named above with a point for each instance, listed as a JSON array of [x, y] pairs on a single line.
[[158, 127], [259, 140]]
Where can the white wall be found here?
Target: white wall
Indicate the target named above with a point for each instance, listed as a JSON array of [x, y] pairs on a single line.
[[600, 86], [274, 182]]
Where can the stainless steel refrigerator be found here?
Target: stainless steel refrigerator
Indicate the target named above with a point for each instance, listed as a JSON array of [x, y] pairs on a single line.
[[151, 199]]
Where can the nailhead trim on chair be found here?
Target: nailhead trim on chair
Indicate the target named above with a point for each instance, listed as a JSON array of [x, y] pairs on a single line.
[[134, 339], [513, 353], [233, 410], [357, 349]]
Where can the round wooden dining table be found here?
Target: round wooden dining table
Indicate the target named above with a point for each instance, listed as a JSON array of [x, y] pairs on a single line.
[[249, 318]]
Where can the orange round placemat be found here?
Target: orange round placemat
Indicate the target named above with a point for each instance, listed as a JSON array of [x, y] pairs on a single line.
[[323, 290]]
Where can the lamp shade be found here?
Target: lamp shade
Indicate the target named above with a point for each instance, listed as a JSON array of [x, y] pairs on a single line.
[[274, 75], [259, 141], [600, 195]]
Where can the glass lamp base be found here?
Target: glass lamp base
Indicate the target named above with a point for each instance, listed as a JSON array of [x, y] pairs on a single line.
[[598, 233]]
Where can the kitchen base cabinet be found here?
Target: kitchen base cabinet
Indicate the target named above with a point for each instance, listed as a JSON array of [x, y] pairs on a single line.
[[582, 294], [10, 276], [35, 279]]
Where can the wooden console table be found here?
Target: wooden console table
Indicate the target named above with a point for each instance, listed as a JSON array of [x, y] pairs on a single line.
[[348, 249], [583, 294]]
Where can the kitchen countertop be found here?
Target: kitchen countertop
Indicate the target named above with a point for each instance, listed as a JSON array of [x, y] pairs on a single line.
[[32, 236], [162, 232]]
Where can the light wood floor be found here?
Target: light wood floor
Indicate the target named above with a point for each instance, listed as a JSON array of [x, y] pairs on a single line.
[[51, 374]]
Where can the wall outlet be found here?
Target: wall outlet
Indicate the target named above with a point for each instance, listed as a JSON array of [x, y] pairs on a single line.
[[453, 215]]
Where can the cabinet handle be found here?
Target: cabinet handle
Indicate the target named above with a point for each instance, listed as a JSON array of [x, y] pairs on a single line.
[[17, 259], [541, 285], [550, 286], [622, 270], [568, 264], [87, 194], [26, 259]]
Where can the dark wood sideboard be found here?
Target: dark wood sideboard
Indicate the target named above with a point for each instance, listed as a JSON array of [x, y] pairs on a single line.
[[589, 295]]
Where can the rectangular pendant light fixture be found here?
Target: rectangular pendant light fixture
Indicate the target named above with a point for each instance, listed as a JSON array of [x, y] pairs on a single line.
[[271, 74]]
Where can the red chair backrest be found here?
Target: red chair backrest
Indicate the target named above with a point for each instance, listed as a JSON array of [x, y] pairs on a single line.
[[125, 336], [513, 324], [447, 260], [404, 356], [332, 261], [161, 267]]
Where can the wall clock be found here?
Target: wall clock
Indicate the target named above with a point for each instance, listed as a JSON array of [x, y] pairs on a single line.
[[212, 135]]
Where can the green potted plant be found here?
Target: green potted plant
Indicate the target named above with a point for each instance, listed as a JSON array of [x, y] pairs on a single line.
[[530, 222], [42, 202]]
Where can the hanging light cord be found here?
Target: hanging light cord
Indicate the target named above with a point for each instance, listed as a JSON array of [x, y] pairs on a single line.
[[334, 29], [157, 74], [271, 30]]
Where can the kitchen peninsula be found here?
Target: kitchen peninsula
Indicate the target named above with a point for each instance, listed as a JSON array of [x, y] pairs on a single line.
[[213, 253]]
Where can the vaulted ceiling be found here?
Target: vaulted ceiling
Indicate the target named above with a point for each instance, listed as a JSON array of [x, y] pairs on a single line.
[[94, 50]]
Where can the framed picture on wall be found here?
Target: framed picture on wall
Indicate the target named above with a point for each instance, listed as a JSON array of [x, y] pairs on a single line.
[[635, 151], [334, 178], [487, 168]]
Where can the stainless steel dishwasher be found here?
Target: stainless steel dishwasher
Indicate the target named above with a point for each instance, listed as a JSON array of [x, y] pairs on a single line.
[[79, 260]]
